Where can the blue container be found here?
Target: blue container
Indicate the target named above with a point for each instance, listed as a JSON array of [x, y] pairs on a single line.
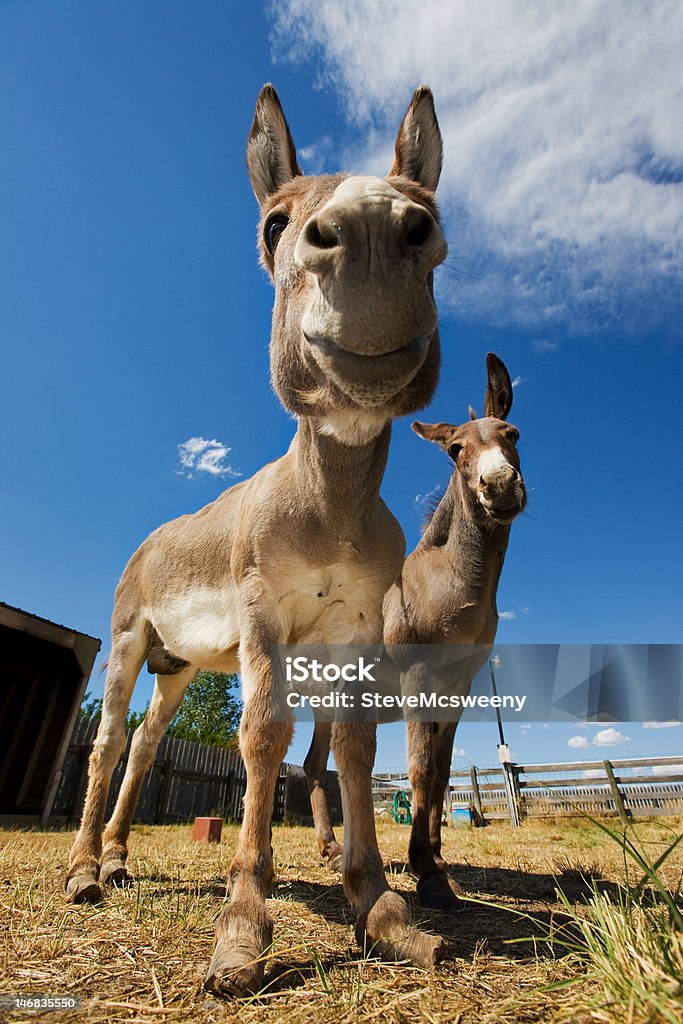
[[461, 816]]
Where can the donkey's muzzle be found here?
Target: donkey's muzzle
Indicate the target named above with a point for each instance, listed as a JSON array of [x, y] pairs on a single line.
[[345, 233], [369, 316], [504, 504], [369, 380]]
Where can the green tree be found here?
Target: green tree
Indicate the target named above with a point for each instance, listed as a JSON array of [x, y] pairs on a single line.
[[92, 708], [135, 718], [210, 711]]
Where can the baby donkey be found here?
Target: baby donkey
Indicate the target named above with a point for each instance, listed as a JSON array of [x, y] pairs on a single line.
[[446, 594]]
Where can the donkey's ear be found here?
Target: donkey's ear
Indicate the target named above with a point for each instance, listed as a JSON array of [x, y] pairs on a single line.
[[439, 433], [419, 150], [498, 400], [271, 156]]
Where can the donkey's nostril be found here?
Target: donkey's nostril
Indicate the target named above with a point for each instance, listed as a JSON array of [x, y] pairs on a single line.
[[420, 231], [321, 236]]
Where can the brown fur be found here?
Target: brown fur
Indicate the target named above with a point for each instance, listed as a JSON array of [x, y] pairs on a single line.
[[446, 594], [306, 548]]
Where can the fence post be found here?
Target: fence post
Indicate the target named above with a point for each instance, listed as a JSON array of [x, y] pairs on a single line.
[[511, 791], [476, 798], [514, 773], [616, 793], [446, 810], [76, 804], [164, 792]]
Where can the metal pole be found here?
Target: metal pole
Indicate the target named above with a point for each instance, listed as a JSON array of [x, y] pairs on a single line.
[[504, 758], [495, 694]]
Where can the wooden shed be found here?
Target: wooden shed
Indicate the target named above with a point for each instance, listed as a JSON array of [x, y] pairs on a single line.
[[44, 670]]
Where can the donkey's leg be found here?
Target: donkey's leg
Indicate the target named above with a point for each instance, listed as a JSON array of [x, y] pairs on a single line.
[[245, 929], [443, 753], [383, 919], [315, 767], [166, 699], [421, 773], [128, 653], [433, 886]]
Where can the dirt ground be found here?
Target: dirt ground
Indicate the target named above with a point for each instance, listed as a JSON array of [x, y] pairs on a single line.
[[142, 954]]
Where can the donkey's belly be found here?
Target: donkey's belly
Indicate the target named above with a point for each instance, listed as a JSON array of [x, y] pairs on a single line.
[[200, 625]]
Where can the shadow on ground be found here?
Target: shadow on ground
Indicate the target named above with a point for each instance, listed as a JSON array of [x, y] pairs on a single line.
[[480, 926]]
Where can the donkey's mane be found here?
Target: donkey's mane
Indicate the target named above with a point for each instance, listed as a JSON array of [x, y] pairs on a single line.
[[431, 504]]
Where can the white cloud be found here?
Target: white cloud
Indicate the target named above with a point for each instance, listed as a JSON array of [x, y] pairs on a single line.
[[610, 738], [543, 345], [512, 613], [197, 455], [590, 725], [667, 769], [563, 176], [459, 752], [314, 156], [661, 725], [577, 741], [517, 381]]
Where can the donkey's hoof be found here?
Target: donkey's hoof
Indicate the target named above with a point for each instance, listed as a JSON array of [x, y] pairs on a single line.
[[385, 932], [335, 862], [234, 971], [333, 858], [82, 889], [439, 892], [113, 872], [419, 948]]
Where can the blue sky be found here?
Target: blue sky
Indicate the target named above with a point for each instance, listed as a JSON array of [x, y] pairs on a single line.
[[134, 316]]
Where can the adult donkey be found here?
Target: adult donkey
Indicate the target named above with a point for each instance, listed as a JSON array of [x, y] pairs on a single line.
[[306, 549], [446, 594]]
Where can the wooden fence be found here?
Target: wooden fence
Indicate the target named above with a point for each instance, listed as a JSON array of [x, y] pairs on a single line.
[[187, 779], [633, 787]]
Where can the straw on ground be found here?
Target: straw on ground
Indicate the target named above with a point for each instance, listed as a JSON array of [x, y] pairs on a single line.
[[142, 955]]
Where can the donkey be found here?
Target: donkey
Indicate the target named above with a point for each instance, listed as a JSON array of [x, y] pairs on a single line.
[[306, 549], [446, 594]]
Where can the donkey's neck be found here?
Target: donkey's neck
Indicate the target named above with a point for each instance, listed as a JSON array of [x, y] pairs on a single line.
[[473, 544], [339, 479]]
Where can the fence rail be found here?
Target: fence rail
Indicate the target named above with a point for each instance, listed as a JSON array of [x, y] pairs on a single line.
[[628, 788]]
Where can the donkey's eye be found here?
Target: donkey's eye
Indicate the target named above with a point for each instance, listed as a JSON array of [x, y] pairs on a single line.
[[512, 435], [454, 450], [272, 230]]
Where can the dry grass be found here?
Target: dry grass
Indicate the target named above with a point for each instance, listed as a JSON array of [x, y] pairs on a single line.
[[141, 955]]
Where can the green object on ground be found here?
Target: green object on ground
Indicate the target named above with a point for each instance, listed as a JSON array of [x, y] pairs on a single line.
[[402, 813]]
